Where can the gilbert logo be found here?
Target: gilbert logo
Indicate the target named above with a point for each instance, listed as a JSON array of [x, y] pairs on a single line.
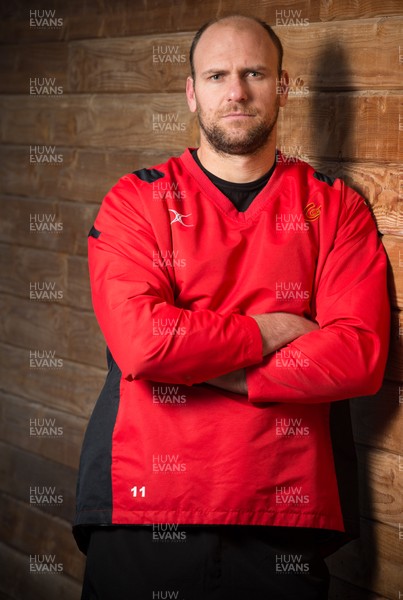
[[178, 217], [312, 212]]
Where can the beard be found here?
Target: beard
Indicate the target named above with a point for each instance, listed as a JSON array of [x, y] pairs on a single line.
[[238, 141]]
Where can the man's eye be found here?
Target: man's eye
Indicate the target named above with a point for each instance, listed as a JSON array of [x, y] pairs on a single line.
[[215, 77], [254, 74]]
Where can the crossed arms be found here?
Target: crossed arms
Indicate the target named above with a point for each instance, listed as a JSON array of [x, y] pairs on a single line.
[[277, 330], [344, 350]]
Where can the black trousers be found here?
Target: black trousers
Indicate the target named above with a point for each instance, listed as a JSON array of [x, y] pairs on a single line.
[[223, 562]]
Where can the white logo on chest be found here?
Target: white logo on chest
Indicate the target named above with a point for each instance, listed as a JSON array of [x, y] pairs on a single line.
[[178, 217]]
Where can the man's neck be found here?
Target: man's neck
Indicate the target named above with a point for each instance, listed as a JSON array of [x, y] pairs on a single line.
[[237, 168]]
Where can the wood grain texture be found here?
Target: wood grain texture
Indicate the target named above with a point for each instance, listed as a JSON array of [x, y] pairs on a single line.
[[82, 175], [20, 64], [19, 583], [57, 226], [78, 293], [25, 269], [51, 327], [381, 185], [345, 9], [24, 475], [73, 388], [149, 64], [343, 126], [378, 420], [344, 57], [34, 532], [47, 534], [129, 121], [42, 430], [20, 266], [394, 249], [381, 485], [372, 562], [160, 64], [120, 18]]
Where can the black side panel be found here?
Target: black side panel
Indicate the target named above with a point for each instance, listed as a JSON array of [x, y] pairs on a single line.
[[149, 175], [94, 486], [345, 462], [320, 177], [94, 233]]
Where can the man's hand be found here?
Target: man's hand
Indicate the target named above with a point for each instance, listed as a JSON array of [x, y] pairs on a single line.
[[232, 382], [279, 329]]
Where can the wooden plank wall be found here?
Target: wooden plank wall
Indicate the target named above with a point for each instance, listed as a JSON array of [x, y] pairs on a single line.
[[112, 70]]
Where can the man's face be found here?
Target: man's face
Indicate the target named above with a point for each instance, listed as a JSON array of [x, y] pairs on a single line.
[[235, 92]]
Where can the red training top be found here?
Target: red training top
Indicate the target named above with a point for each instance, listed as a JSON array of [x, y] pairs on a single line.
[[176, 271]]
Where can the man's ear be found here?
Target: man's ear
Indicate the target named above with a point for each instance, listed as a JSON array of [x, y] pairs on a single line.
[[190, 94], [283, 84]]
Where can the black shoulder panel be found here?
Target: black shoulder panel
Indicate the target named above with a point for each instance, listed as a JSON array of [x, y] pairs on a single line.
[[324, 178], [148, 175], [94, 232]]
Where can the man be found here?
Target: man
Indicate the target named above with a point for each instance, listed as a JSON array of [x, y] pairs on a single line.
[[236, 311]]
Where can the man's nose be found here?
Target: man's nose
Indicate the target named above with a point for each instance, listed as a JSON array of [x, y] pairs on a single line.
[[237, 90]]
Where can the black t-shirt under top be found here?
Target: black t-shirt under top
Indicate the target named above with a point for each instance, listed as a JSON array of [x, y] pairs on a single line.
[[240, 194]]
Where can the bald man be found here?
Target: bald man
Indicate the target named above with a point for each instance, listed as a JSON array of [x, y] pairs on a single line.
[[242, 297]]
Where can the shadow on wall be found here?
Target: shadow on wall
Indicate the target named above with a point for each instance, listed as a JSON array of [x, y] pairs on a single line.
[[332, 123], [332, 126]]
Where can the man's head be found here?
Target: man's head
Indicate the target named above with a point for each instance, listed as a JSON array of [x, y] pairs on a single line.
[[274, 38], [234, 88]]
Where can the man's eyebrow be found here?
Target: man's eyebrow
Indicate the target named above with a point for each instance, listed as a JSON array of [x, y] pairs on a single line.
[[252, 68], [213, 71], [256, 68]]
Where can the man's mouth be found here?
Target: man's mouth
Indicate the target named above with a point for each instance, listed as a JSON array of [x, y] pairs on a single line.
[[237, 115]]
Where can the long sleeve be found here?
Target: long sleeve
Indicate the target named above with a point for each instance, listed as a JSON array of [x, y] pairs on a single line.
[[346, 357], [133, 297]]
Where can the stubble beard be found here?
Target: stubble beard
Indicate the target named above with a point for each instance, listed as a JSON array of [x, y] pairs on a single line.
[[225, 142]]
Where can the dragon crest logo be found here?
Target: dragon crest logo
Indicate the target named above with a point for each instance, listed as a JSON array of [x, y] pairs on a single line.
[[312, 212]]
